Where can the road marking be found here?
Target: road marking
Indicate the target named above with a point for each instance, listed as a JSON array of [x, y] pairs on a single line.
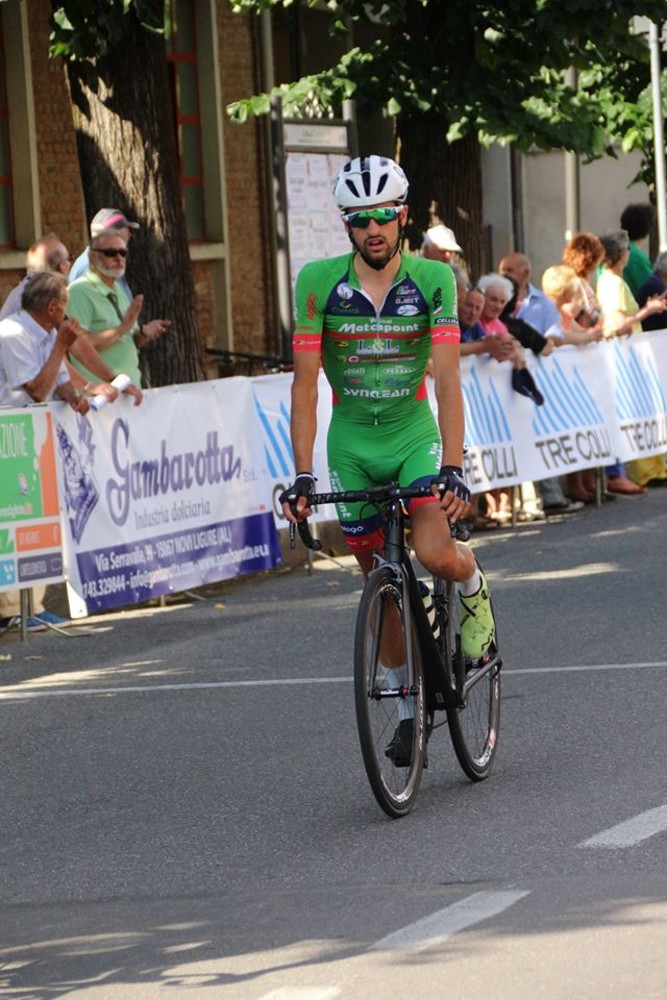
[[441, 925], [632, 831], [17, 692], [303, 993]]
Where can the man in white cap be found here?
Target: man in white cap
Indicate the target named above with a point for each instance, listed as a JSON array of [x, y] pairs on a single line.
[[106, 218], [439, 244]]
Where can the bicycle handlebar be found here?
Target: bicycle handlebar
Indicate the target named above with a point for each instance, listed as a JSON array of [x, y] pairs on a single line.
[[373, 494]]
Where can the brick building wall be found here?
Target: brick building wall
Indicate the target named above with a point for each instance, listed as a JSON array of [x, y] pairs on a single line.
[[248, 244], [62, 207], [246, 170]]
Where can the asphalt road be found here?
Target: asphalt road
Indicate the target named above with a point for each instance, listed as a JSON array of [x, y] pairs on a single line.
[[184, 810]]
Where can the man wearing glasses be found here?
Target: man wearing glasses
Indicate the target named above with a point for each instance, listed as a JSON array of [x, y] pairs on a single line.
[[101, 305], [372, 318]]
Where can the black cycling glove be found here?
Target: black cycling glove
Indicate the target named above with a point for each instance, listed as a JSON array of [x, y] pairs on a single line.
[[451, 477], [303, 486]]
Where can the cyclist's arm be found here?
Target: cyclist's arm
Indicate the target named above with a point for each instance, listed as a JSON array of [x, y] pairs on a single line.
[[450, 402], [303, 423]]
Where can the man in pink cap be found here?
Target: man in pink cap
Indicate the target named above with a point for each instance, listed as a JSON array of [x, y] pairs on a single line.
[[106, 218]]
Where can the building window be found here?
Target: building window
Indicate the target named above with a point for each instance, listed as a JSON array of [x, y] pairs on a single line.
[[183, 69], [6, 221]]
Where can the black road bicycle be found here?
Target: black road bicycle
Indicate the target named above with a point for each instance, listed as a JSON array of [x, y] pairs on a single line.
[[396, 707]]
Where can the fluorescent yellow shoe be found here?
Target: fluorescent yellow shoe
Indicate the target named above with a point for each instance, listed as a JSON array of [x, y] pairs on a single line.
[[477, 624]]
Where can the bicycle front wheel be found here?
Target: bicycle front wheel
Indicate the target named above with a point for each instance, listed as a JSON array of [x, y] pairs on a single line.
[[389, 693], [474, 722]]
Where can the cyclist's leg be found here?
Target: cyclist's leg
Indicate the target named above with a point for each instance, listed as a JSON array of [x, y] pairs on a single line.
[[441, 554], [353, 467]]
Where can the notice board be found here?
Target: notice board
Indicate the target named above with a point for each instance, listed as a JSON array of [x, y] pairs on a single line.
[[314, 153]]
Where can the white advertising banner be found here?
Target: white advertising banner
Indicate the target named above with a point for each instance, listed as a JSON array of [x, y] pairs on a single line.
[[272, 398], [183, 490], [602, 402], [163, 497]]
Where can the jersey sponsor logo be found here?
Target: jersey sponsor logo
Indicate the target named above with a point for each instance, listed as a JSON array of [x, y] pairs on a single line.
[[354, 371], [342, 343], [376, 393], [437, 301], [381, 350], [352, 529], [394, 380], [400, 370], [375, 327], [395, 356], [311, 305], [344, 290], [407, 310]]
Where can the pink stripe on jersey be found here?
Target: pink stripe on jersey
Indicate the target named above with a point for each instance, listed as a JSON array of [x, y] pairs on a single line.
[[445, 335], [306, 342]]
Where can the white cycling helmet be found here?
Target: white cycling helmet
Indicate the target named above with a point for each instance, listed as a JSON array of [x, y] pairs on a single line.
[[369, 180]]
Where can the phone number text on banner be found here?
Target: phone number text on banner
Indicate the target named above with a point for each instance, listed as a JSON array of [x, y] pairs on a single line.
[[163, 497]]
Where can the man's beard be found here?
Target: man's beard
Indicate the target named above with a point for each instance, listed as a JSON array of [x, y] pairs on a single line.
[[110, 272], [377, 263]]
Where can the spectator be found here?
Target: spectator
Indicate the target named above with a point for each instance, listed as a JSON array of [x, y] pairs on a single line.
[[33, 345], [106, 218], [49, 254], [46, 254], [497, 292], [533, 306], [584, 254], [474, 338], [113, 219], [622, 316], [656, 284], [536, 308], [637, 221], [440, 244], [101, 305], [527, 335], [566, 291]]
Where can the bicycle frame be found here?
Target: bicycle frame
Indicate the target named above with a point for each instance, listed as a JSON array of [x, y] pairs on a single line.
[[439, 692]]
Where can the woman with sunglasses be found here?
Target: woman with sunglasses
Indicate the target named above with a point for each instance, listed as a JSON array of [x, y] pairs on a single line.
[[372, 318], [99, 302]]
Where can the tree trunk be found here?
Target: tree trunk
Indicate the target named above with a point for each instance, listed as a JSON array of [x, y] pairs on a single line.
[[445, 184], [128, 157]]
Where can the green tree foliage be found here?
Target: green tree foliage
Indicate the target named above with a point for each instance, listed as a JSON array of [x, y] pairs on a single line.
[[495, 68], [486, 71]]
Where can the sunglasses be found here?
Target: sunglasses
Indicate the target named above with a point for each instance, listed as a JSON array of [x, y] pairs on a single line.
[[111, 252], [361, 220]]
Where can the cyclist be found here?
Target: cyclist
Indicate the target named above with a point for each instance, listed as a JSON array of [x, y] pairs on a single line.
[[372, 318]]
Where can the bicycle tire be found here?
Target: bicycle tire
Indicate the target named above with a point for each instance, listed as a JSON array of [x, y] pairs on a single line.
[[474, 723], [379, 713]]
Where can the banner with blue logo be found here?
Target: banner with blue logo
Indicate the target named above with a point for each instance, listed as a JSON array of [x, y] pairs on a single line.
[[163, 497]]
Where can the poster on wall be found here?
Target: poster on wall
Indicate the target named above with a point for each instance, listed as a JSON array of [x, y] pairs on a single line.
[[163, 497], [30, 535], [315, 152]]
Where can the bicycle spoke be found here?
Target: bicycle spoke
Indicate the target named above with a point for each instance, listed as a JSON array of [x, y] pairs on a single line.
[[389, 697]]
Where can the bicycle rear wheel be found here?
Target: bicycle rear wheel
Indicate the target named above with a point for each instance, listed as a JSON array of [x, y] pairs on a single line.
[[389, 695], [474, 723]]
